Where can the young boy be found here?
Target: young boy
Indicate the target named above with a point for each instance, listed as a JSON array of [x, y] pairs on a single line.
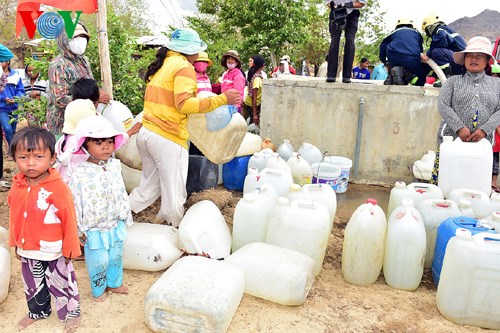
[[43, 229]]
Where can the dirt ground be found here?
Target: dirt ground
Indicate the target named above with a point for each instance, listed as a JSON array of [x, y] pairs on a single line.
[[332, 305]]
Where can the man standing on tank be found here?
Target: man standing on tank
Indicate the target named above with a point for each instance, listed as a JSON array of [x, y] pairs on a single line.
[[344, 15]]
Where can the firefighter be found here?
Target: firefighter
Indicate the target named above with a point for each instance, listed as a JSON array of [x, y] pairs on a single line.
[[444, 42], [403, 49]]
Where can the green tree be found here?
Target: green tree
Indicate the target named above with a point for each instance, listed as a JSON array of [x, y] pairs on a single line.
[[371, 31]]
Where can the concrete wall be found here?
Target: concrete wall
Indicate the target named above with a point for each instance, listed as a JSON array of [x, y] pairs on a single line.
[[399, 123]]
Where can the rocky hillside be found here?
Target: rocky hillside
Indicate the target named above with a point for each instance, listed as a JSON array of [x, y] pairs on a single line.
[[485, 24]]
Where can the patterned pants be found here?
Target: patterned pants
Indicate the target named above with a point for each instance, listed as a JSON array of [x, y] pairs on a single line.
[[42, 279]]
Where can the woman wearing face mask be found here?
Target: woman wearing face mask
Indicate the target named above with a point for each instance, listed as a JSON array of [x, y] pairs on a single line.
[[69, 66], [200, 66], [233, 78]]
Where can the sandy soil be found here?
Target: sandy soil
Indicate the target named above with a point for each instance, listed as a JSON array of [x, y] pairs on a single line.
[[332, 305]]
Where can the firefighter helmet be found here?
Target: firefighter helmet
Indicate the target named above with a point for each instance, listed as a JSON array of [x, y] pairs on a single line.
[[430, 20], [405, 21]]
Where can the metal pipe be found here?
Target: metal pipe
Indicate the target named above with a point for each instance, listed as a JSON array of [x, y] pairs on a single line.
[[358, 134]]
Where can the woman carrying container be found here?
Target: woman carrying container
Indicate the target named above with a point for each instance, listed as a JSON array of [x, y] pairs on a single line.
[[162, 141], [470, 103]]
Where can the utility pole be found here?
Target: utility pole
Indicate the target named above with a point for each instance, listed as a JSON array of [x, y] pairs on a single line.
[[102, 31]]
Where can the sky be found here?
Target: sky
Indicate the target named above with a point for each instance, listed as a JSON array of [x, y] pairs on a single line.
[[165, 12]]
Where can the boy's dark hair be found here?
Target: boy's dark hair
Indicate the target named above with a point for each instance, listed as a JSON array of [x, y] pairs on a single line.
[[85, 89], [30, 138]]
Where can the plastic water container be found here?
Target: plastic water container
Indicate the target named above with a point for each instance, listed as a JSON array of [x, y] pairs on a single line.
[[469, 290], [220, 117], [300, 225], [276, 162], [202, 174], [150, 247], [131, 177], [251, 216], [465, 165], [445, 231], [310, 153], [480, 203], [259, 159], [118, 114], [204, 230], [285, 150], [404, 248], [321, 193], [5, 271], [275, 273], [345, 165], [418, 192], [4, 238], [364, 243], [251, 144], [129, 155], [326, 173], [434, 212], [422, 169], [301, 170], [465, 208], [195, 295], [279, 179], [218, 146], [234, 173], [492, 221]]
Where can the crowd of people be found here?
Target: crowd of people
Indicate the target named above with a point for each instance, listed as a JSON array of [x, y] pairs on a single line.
[[70, 186]]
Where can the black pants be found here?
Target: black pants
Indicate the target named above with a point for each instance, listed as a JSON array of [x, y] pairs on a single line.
[[349, 48]]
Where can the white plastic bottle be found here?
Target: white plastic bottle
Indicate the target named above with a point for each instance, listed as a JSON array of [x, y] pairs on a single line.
[[364, 243], [479, 200], [276, 162], [417, 192], [465, 208], [302, 172], [251, 216], [310, 153], [4, 273], [321, 193], [434, 212], [300, 225], [279, 179], [285, 150], [404, 248]]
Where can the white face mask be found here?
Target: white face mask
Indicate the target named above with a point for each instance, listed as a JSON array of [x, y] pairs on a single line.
[[231, 66], [77, 45]]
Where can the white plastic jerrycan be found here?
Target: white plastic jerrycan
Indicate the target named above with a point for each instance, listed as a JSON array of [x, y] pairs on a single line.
[[417, 192], [434, 212], [301, 170], [364, 243], [422, 169], [259, 159], [150, 247], [469, 287], [275, 273], [279, 179], [4, 238], [310, 153], [128, 154], [321, 193], [5, 271], [300, 225], [465, 208], [251, 144], [492, 221], [276, 162], [251, 216], [404, 248], [479, 200], [195, 295], [203, 230], [465, 165], [285, 150]]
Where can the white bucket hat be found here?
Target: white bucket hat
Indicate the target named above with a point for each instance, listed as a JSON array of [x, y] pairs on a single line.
[[186, 41], [477, 44], [98, 127]]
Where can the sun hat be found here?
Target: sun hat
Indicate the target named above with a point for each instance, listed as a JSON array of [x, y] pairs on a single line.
[[203, 56], [286, 58], [233, 54], [5, 53], [186, 41], [80, 31], [98, 127], [477, 44], [75, 111]]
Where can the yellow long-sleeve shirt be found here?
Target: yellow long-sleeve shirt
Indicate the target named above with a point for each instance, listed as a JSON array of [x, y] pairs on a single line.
[[171, 96]]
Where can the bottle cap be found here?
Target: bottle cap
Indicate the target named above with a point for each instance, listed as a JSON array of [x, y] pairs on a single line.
[[371, 201]]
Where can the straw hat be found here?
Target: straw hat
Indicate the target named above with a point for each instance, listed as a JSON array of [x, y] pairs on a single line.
[[477, 44], [233, 54], [203, 56], [186, 41]]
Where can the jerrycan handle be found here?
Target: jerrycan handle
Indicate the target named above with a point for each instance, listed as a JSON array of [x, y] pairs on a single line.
[[490, 241]]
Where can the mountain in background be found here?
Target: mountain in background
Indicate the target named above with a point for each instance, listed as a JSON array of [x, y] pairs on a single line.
[[485, 24]]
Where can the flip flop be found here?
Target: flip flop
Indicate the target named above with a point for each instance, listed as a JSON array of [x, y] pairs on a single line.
[[495, 189]]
